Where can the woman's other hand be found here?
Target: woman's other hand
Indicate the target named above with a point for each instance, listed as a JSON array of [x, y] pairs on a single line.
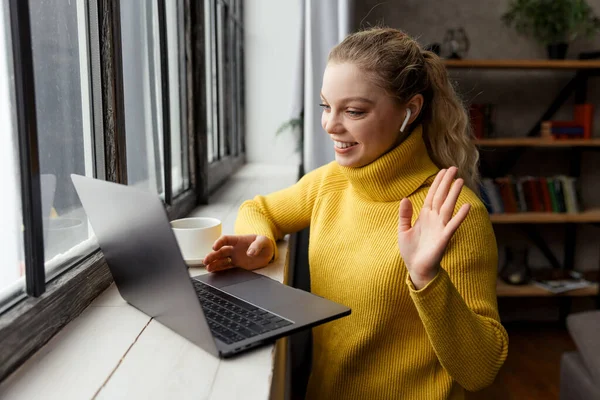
[[245, 251]]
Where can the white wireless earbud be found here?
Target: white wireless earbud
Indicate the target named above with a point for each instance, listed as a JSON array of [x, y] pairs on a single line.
[[405, 120]]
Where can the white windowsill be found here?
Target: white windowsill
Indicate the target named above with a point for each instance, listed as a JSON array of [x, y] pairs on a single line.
[[113, 351]]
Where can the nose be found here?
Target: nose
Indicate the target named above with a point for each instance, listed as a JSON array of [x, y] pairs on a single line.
[[331, 123]]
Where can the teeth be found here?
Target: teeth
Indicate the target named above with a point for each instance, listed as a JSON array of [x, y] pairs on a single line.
[[343, 145]]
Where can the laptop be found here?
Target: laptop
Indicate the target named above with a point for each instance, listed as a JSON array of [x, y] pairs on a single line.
[[224, 313]]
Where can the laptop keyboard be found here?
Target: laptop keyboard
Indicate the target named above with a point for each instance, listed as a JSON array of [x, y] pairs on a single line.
[[231, 319]]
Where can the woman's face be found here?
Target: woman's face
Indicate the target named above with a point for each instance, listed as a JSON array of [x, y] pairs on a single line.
[[362, 120]]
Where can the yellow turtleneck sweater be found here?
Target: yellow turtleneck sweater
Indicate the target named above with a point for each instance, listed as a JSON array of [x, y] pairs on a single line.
[[399, 342]]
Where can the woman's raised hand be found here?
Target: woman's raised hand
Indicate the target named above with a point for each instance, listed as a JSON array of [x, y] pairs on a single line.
[[422, 245]]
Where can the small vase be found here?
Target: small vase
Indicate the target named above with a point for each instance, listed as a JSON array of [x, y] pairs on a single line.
[[557, 51]]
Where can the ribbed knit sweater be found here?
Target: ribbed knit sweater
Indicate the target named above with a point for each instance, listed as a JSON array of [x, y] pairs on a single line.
[[399, 342]]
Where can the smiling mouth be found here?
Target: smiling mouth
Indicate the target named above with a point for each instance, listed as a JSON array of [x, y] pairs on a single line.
[[344, 145]]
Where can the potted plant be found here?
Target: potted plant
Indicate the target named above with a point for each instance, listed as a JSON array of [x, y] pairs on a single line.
[[552, 23]]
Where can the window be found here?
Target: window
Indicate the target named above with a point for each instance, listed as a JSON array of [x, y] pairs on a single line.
[[224, 94], [118, 97], [177, 96], [153, 91], [61, 66], [212, 118], [142, 77], [12, 269]]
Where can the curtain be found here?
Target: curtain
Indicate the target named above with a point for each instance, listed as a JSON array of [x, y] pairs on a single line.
[[325, 24]]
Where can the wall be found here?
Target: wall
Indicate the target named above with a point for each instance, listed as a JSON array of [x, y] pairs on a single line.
[[520, 96], [271, 35]]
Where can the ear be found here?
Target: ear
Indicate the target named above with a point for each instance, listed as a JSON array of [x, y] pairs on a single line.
[[415, 104]]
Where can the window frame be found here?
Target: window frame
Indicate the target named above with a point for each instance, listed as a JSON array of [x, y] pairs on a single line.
[[32, 322]]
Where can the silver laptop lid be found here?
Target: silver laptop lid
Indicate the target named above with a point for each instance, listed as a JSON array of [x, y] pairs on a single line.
[[135, 235]]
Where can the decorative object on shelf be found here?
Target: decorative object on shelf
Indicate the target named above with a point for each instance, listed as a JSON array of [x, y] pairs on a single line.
[[456, 44], [552, 23], [515, 270]]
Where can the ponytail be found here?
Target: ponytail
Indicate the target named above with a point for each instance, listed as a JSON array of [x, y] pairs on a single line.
[[447, 128]]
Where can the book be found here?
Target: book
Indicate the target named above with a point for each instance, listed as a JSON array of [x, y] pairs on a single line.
[[574, 130], [552, 191], [584, 115], [521, 196], [532, 194], [560, 197], [510, 194], [545, 194], [507, 194], [493, 194]]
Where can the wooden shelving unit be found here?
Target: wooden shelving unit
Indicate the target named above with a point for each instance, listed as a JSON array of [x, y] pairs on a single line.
[[505, 290], [537, 142], [523, 64], [588, 216], [517, 147]]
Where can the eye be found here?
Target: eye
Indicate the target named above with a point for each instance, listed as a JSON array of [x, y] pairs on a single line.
[[354, 113], [325, 107]]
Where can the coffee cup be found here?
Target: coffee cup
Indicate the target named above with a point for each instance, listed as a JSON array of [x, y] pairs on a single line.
[[195, 237]]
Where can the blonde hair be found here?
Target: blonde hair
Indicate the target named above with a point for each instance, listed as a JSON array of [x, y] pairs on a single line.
[[396, 63]]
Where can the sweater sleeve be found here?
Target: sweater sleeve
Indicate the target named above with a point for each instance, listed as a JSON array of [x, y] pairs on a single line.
[[282, 212], [459, 308]]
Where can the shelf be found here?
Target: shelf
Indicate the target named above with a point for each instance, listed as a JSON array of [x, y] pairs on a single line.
[[505, 290], [523, 64], [537, 142], [587, 216]]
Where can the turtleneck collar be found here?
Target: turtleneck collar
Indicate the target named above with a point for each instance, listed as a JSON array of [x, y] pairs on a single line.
[[396, 174]]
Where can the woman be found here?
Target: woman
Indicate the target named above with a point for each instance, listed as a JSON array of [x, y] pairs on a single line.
[[424, 322]]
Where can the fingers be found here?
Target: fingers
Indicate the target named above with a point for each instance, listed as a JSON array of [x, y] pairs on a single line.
[[225, 240], [442, 190], [257, 246], [222, 253], [431, 193], [455, 222], [450, 202], [405, 215], [220, 265]]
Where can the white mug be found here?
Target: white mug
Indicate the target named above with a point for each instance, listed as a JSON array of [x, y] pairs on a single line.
[[195, 237]]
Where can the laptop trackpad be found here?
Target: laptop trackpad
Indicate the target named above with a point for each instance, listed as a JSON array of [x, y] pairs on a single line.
[[269, 294], [228, 277]]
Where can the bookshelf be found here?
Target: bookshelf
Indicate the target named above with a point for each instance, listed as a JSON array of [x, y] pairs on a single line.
[[587, 216], [537, 142], [514, 148], [505, 290]]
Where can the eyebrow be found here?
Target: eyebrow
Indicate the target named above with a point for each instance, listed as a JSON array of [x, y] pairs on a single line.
[[348, 99]]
